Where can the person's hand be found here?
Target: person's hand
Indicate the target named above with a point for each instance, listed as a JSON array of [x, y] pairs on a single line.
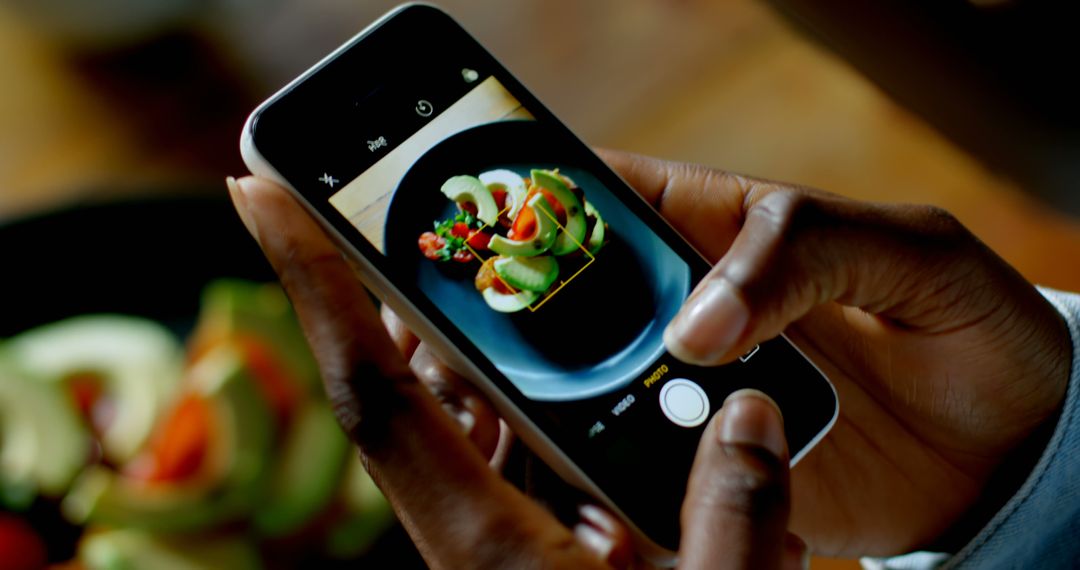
[[458, 510], [949, 366]]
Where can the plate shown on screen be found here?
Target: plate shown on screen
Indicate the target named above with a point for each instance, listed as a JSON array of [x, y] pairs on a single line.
[[596, 334]]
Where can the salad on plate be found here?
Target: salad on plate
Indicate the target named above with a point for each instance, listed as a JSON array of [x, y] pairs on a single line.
[[529, 235]]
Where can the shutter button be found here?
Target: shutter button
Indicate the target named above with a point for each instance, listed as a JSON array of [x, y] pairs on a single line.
[[684, 403]]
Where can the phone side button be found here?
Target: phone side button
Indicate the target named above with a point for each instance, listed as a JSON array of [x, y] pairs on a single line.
[[684, 403]]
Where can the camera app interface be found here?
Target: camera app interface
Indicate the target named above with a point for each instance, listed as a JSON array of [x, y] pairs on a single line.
[[562, 287], [528, 246]]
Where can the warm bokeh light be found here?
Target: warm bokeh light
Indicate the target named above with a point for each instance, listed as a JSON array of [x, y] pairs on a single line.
[[153, 105]]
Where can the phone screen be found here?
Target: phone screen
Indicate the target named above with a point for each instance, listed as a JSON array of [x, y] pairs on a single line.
[[527, 251]]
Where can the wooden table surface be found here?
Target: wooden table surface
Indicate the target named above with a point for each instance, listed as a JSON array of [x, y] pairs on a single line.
[[723, 83]]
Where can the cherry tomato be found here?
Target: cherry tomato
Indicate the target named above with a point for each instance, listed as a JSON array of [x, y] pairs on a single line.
[[524, 225], [95, 405], [478, 239], [20, 547], [499, 285], [500, 197], [463, 256], [431, 244], [182, 442], [460, 229], [556, 206], [467, 207], [281, 389]]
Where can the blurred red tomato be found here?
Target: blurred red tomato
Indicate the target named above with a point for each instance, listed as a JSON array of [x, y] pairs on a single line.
[[20, 547]]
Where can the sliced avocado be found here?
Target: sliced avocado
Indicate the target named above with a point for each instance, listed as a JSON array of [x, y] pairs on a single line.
[[573, 236], [130, 549], [509, 303], [222, 376], [368, 514], [309, 469], [103, 496], [138, 361], [596, 238], [470, 189], [43, 442], [546, 229], [512, 183], [528, 273], [234, 309]]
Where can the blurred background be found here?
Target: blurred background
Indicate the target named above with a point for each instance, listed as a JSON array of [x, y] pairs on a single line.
[[128, 100]]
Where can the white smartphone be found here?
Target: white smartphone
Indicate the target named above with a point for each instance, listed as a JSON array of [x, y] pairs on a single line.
[[519, 256]]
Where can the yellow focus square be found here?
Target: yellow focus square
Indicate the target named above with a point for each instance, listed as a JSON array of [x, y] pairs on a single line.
[[533, 307]]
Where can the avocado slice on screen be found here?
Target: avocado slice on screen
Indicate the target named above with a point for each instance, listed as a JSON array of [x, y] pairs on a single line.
[[470, 189], [573, 236], [542, 239], [514, 185], [528, 273], [509, 303], [596, 237]]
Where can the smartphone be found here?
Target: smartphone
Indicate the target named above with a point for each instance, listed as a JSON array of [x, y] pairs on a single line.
[[520, 257]]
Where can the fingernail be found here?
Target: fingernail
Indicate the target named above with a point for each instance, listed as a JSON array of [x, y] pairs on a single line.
[[597, 517], [796, 553], [464, 418], [709, 325], [749, 417], [595, 541], [240, 200]]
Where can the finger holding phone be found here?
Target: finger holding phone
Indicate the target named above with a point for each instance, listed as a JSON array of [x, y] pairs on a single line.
[[462, 513], [929, 338]]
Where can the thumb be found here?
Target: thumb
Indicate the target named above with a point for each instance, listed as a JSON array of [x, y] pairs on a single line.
[[736, 509], [798, 249]]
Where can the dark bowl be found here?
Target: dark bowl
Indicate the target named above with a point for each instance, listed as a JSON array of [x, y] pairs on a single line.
[[151, 258]]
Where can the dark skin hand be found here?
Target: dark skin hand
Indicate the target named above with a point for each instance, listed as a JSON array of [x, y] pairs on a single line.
[[435, 470], [948, 365]]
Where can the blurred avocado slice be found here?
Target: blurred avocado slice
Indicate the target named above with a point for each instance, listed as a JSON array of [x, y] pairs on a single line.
[[137, 361], [308, 471], [368, 516], [102, 496], [233, 309], [124, 549], [43, 442]]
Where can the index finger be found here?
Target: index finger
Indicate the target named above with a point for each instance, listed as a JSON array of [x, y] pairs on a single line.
[[441, 487], [705, 205]]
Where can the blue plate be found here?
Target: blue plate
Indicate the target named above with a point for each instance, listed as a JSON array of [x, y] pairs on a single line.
[[596, 334]]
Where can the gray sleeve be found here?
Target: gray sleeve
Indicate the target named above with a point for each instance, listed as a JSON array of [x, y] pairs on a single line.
[[1039, 527]]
